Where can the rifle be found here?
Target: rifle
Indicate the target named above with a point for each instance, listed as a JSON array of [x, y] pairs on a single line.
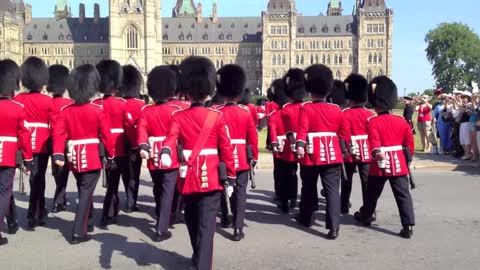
[[104, 161], [408, 157], [21, 179], [343, 147], [251, 161], [222, 172]]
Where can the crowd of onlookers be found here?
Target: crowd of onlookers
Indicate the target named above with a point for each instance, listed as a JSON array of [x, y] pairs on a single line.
[[447, 123]]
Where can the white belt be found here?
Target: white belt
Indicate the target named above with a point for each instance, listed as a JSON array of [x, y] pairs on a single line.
[[82, 142], [359, 137], [238, 141], [156, 139], [322, 134], [36, 125], [281, 138], [117, 130], [8, 139], [391, 148], [204, 152]]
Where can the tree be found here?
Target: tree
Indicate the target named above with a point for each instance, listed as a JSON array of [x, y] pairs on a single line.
[[454, 51]]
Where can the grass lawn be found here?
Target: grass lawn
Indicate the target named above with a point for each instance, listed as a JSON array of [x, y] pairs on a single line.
[[262, 136]]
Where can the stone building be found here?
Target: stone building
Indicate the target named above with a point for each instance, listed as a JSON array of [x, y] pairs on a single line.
[[266, 46]]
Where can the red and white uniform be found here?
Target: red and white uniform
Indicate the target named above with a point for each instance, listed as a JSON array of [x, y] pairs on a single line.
[[290, 114], [13, 133], [261, 112], [152, 130], [179, 103], [82, 127], [253, 111], [271, 107], [318, 128], [276, 131], [38, 109], [133, 108], [389, 133], [185, 127], [115, 110], [242, 133], [58, 104], [354, 133]]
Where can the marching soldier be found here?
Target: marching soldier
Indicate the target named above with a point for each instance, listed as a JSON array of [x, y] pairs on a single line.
[[388, 134], [152, 130], [179, 92], [246, 100], [111, 76], [319, 150], [203, 135], [231, 80], [38, 107], [130, 91], [13, 135], [355, 135], [294, 82], [81, 126], [57, 86]]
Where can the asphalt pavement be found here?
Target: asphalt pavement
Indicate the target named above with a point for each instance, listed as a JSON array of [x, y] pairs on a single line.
[[447, 235]]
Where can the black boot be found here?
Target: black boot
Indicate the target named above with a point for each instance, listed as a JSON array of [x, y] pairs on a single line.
[[12, 228], [77, 239], [366, 221], [3, 240], [406, 232], [32, 223], [285, 207], [332, 234], [160, 237], [226, 223], [238, 235], [59, 208]]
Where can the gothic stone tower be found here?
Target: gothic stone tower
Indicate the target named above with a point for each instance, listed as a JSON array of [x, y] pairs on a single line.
[[136, 33]]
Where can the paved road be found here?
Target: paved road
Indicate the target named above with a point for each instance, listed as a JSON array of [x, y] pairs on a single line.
[[447, 235]]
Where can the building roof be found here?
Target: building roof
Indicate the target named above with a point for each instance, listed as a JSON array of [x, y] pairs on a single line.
[[227, 29], [374, 6], [7, 5], [184, 8], [279, 7], [317, 26], [67, 30]]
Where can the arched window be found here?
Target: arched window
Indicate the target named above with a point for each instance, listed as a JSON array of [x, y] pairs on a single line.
[[302, 60], [338, 75], [274, 75], [375, 58], [380, 58], [370, 58], [316, 59], [369, 75], [350, 59], [324, 59], [380, 73], [340, 60], [274, 60], [312, 59], [328, 59], [298, 60], [132, 37], [335, 60], [284, 60]]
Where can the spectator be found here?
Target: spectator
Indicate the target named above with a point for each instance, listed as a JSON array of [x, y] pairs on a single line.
[[455, 115], [424, 122], [466, 110], [444, 125], [408, 112], [473, 129]]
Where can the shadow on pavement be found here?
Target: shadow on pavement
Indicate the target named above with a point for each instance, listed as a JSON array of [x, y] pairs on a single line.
[[428, 161]]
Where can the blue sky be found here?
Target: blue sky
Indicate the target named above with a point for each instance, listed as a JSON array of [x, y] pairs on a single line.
[[413, 19]]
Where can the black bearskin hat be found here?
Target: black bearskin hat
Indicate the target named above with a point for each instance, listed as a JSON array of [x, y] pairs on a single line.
[[337, 95], [278, 92], [58, 79], [132, 82], [111, 76], [231, 80], [382, 93], [319, 80], [9, 77], [357, 88], [198, 77], [162, 83], [294, 82]]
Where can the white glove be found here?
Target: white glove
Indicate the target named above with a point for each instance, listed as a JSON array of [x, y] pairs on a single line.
[[144, 154], [300, 152], [166, 160], [230, 191]]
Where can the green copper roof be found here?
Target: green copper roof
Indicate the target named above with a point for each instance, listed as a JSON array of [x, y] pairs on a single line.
[[61, 5], [186, 8], [334, 4]]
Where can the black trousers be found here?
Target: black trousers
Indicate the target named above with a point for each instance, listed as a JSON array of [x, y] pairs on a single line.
[[239, 199], [111, 201], [86, 183], [288, 181], [163, 188], [346, 186], [61, 179], [134, 170], [277, 175], [6, 195], [330, 176], [401, 192], [200, 217], [177, 206], [36, 206]]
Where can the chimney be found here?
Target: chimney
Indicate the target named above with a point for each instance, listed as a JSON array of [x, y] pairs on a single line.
[[81, 17], [28, 14], [214, 12], [96, 13], [199, 13]]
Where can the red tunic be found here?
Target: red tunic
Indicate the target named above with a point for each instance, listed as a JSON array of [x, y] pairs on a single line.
[[82, 127], [58, 104], [185, 127], [152, 129], [242, 133], [290, 114], [276, 132], [253, 111], [38, 109], [115, 110], [179, 103], [354, 133], [271, 107], [133, 107], [389, 133], [13, 133], [318, 128], [261, 112]]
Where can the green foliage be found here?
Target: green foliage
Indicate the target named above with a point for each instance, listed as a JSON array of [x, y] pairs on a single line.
[[429, 92], [454, 51]]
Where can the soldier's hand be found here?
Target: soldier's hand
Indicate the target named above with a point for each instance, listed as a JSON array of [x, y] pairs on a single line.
[[230, 191], [300, 152], [26, 171], [166, 160], [144, 154], [60, 163], [380, 156]]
